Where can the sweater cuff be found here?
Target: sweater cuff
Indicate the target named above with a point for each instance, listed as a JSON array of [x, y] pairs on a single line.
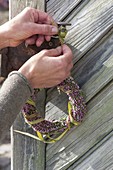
[[23, 78]]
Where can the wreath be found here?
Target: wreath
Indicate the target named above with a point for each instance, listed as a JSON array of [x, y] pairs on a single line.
[[51, 131]]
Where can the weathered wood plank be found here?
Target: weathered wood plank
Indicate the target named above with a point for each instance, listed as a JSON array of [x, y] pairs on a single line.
[[59, 9], [92, 73], [89, 25], [95, 70], [97, 124], [27, 154], [101, 158], [101, 75], [18, 5]]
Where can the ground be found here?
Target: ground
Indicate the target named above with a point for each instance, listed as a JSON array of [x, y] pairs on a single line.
[[5, 147]]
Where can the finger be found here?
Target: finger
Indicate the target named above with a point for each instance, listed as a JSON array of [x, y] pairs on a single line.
[[37, 15], [70, 66], [43, 29], [55, 52], [43, 17], [48, 38], [39, 40], [66, 50], [31, 40], [52, 52], [67, 53]]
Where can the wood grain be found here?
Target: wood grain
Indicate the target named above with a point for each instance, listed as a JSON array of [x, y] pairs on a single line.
[[91, 39], [89, 23], [96, 125], [89, 26], [95, 70], [91, 73], [27, 154], [59, 10], [100, 158], [18, 5]]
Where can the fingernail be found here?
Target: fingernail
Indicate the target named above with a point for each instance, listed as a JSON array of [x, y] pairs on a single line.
[[54, 30], [59, 49], [26, 45]]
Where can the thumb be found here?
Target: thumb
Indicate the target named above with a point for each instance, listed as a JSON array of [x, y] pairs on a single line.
[[44, 29], [54, 52]]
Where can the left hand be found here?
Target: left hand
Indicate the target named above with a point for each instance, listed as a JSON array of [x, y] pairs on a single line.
[[49, 67]]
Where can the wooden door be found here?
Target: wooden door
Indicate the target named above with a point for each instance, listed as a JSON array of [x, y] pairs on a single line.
[[89, 146]]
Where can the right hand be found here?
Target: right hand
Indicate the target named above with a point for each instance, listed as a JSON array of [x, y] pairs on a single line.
[[31, 25], [49, 67]]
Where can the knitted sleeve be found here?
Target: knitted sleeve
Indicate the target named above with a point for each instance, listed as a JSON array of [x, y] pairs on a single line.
[[13, 95]]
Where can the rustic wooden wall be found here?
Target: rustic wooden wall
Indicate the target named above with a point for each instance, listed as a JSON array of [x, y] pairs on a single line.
[[91, 38], [89, 146]]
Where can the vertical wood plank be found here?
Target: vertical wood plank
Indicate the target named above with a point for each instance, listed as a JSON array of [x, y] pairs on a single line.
[[27, 153], [17, 6]]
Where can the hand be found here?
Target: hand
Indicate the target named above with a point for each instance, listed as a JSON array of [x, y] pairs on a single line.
[[31, 26], [49, 67]]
